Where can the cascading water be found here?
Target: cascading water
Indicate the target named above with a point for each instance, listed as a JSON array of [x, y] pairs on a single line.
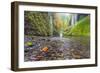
[[74, 19], [61, 34]]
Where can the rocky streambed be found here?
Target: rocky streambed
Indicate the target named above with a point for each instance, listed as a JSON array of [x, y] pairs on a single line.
[[54, 48]]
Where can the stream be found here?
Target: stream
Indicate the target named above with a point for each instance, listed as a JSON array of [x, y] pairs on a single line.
[[38, 48]]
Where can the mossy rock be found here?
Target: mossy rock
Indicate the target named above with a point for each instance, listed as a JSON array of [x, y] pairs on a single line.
[[29, 44]]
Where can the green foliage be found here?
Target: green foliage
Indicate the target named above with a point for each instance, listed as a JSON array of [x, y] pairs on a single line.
[[81, 28], [41, 26], [39, 22]]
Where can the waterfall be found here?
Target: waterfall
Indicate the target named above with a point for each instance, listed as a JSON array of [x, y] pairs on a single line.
[[61, 34], [73, 19]]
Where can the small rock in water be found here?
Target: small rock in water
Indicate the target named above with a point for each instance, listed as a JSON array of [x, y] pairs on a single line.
[[33, 58], [76, 54]]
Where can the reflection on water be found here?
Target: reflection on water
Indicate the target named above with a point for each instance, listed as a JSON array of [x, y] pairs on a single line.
[[55, 48]]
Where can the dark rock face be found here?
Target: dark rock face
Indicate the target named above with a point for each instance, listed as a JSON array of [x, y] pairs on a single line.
[[54, 48]]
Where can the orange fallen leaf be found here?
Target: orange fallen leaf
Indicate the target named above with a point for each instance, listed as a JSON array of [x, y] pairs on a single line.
[[45, 49]]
